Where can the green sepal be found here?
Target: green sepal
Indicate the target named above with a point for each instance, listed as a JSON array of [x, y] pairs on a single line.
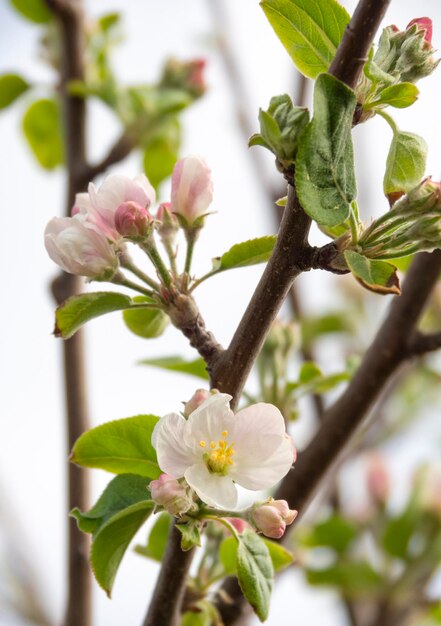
[[122, 447], [191, 535]]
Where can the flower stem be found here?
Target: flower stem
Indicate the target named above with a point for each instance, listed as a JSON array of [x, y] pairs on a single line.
[[224, 522], [171, 253], [120, 279], [191, 236], [127, 263], [354, 224], [152, 252]]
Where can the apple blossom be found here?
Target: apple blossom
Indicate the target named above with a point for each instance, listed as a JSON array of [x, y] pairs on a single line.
[[192, 189], [272, 517], [99, 206], [167, 492], [80, 249], [425, 24], [214, 449]]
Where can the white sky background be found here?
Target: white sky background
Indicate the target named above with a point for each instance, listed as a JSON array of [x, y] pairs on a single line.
[[32, 457]]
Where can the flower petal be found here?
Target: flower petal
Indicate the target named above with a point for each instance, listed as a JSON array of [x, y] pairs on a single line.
[[261, 473], [174, 456], [214, 490], [210, 419]]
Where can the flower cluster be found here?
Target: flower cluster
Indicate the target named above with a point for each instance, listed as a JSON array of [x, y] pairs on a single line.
[[91, 242]]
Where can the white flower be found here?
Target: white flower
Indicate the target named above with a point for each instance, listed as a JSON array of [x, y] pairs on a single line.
[[213, 449], [79, 249], [99, 206]]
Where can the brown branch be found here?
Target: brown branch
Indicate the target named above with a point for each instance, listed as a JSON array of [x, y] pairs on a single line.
[[69, 18], [119, 151], [421, 343]]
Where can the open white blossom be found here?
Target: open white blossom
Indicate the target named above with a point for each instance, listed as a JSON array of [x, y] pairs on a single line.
[[214, 449]]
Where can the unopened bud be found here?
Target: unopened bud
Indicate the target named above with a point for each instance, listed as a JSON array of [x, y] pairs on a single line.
[[425, 24], [199, 396], [170, 494], [166, 224], [192, 190], [378, 482], [272, 517], [187, 75], [424, 198], [239, 524], [132, 220]]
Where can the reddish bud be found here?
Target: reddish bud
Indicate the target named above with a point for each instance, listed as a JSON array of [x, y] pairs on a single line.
[[378, 482], [132, 220], [423, 23], [170, 494], [272, 517], [199, 396]]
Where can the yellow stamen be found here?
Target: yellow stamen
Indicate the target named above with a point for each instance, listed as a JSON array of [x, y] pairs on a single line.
[[202, 444], [224, 433], [213, 445]]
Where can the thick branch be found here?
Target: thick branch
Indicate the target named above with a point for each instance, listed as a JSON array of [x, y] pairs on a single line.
[[70, 22], [164, 610], [421, 343]]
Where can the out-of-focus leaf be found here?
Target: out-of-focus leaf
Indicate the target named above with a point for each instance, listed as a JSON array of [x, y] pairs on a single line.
[[335, 532], [356, 579], [157, 540], [161, 153], [33, 10], [195, 367], [42, 129], [12, 86]]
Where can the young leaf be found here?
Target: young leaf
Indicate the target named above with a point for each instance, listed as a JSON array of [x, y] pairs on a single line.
[[334, 532], [112, 540], [406, 162], [399, 96], [122, 447], [42, 129], [146, 323], [196, 367], [161, 153], [123, 491], [398, 533], [157, 540], [255, 572], [11, 88], [378, 276], [325, 176], [310, 30], [280, 556], [356, 579], [33, 10], [78, 310], [191, 536], [246, 253]]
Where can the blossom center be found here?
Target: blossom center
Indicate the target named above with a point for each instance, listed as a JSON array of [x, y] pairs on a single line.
[[218, 460]]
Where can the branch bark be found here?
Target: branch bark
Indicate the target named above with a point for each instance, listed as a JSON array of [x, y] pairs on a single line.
[[69, 17], [421, 343]]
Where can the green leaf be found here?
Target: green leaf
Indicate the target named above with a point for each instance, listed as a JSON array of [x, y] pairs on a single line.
[[157, 540], [331, 323], [246, 253], [121, 492], [335, 532], [310, 30], [42, 129], [406, 162], [308, 372], [108, 21], [146, 323], [191, 536], [255, 572], [325, 176], [78, 310], [11, 88], [398, 533], [399, 96], [197, 367], [161, 152], [280, 556], [191, 618], [112, 540], [33, 10], [378, 276], [355, 579], [122, 447]]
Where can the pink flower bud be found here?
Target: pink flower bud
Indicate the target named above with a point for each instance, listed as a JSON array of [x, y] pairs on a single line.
[[272, 517], [378, 482], [192, 189], [423, 23], [80, 249], [187, 75], [239, 524], [132, 220], [195, 401], [170, 494], [167, 224]]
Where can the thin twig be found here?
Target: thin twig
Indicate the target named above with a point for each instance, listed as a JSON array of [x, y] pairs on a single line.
[[119, 151], [421, 343]]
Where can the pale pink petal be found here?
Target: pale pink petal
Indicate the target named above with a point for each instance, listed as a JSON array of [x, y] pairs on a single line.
[[209, 420], [264, 472], [214, 490], [192, 188], [174, 455]]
